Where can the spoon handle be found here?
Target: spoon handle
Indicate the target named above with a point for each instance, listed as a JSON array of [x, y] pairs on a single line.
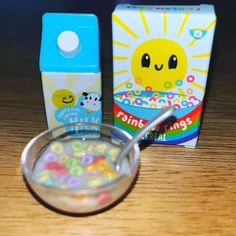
[[161, 116]]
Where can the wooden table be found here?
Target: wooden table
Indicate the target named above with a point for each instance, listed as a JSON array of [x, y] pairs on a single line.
[[178, 191]]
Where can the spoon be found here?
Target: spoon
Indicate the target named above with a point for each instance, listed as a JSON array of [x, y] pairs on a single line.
[[161, 116]]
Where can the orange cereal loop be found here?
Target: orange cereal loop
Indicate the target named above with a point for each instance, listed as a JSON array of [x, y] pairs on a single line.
[[156, 95], [138, 80], [130, 94]]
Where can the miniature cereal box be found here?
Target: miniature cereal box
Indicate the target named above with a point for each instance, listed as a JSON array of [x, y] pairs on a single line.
[[69, 62], [161, 57]]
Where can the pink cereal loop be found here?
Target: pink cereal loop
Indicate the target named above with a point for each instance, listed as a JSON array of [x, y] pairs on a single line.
[[124, 95], [177, 106], [152, 99], [148, 89], [169, 102], [190, 78], [192, 98]]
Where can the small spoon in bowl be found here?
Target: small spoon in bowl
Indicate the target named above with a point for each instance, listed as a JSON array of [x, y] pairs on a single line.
[[161, 116]]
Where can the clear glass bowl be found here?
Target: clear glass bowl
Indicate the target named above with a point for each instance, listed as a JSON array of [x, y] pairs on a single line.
[[86, 200]]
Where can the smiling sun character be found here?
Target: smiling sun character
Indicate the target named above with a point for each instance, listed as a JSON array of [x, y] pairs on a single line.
[[158, 63], [63, 97]]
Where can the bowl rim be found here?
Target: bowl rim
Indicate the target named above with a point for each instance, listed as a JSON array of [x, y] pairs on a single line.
[[28, 173]]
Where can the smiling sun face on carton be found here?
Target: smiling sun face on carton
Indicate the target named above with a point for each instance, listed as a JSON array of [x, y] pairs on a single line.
[[63, 97], [158, 63]]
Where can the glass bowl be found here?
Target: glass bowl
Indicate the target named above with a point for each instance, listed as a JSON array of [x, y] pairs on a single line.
[[91, 138]]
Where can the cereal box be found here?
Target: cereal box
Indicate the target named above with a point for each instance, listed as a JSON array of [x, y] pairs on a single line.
[[161, 57]]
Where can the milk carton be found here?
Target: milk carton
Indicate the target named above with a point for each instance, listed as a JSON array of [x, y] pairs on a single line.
[[69, 62], [161, 57]]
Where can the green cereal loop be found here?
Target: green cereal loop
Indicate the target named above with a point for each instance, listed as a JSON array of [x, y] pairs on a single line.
[[167, 84], [76, 171], [129, 85], [137, 92], [72, 162], [76, 146]]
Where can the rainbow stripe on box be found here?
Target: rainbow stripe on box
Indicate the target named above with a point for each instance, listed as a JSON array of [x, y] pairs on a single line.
[[182, 127]]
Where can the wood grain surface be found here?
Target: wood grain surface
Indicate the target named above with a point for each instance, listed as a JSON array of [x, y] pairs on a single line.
[[178, 191]]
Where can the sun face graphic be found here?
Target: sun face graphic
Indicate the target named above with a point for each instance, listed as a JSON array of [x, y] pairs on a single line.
[[159, 63], [63, 97], [161, 51]]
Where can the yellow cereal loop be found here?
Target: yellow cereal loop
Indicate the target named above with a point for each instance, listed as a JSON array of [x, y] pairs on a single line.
[[103, 165], [43, 175], [110, 174], [113, 153], [101, 148], [57, 147], [90, 168], [63, 159], [94, 181], [90, 148]]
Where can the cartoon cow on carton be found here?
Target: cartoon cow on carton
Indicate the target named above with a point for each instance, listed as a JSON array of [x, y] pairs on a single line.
[[91, 102]]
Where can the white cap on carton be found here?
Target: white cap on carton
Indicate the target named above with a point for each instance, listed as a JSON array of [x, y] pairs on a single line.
[[68, 42]]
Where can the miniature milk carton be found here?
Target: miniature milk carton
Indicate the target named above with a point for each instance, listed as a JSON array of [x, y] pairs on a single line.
[[161, 57], [69, 62]]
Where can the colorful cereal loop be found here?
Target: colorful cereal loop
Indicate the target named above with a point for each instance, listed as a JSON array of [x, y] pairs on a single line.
[[152, 99], [190, 78], [183, 97], [126, 101], [162, 101], [124, 95], [177, 106], [137, 92], [129, 85], [156, 95], [189, 91], [170, 95], [167, 85], [190, 104], [153, 105], [176, 100], [57, 147], [179, 82], [192, 98], [169, 102], [76, 146], [184, 103], [138, 80], [130, 94], [139, 101], [145, 103], [148, 89]]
